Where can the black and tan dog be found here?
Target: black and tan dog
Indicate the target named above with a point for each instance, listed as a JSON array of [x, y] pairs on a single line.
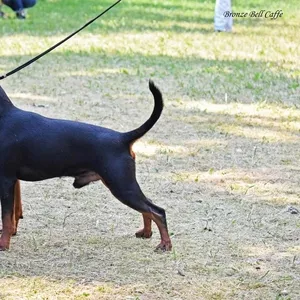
[[33, 148]]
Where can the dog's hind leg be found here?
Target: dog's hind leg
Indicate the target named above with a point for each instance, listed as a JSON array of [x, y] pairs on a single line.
[[120, 179], [7, 210], [134, 198]]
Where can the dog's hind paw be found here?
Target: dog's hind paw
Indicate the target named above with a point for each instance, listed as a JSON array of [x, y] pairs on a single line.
[[164, 246]]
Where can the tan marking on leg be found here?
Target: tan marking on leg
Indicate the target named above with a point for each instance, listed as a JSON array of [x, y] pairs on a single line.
[[7, 231], [165, 244], [145, 232], [131, 151], [18, 212]]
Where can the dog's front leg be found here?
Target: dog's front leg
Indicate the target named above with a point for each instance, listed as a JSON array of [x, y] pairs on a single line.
[[18, 212], [145, 232], [7, 209]]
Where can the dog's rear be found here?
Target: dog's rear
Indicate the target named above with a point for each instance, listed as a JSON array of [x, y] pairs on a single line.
[[126, 188], [50, 148]]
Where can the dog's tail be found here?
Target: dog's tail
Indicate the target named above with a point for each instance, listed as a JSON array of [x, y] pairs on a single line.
[[131, 136]]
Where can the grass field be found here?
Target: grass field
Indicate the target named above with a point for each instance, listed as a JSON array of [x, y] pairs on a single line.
[[223, 159]]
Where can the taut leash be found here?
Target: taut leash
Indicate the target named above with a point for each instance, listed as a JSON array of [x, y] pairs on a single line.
[[56, 45]]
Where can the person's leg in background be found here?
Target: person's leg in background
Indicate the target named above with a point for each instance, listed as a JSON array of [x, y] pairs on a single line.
[[2, 14], [19, 6], [27, 4], [223, 15]]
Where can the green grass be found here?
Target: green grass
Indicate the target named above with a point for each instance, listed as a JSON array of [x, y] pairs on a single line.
[[258, 62]]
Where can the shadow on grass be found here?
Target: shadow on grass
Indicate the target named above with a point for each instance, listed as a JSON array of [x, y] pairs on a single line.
[[194, 78]]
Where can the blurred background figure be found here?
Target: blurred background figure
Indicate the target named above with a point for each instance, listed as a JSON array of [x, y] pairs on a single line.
[[18, 6], [223, 17]]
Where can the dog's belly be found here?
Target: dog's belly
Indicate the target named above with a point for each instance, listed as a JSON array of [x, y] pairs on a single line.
[[28, 174], [82, 176]]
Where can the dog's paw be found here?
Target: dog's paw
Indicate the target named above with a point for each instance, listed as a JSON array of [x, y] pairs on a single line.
[[143, 234], [3, 245], [164, 246]]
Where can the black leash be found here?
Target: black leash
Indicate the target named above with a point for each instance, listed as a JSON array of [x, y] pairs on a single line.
[[56, 45]]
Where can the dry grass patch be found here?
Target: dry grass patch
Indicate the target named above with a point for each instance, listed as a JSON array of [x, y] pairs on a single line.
[[223, 159]]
